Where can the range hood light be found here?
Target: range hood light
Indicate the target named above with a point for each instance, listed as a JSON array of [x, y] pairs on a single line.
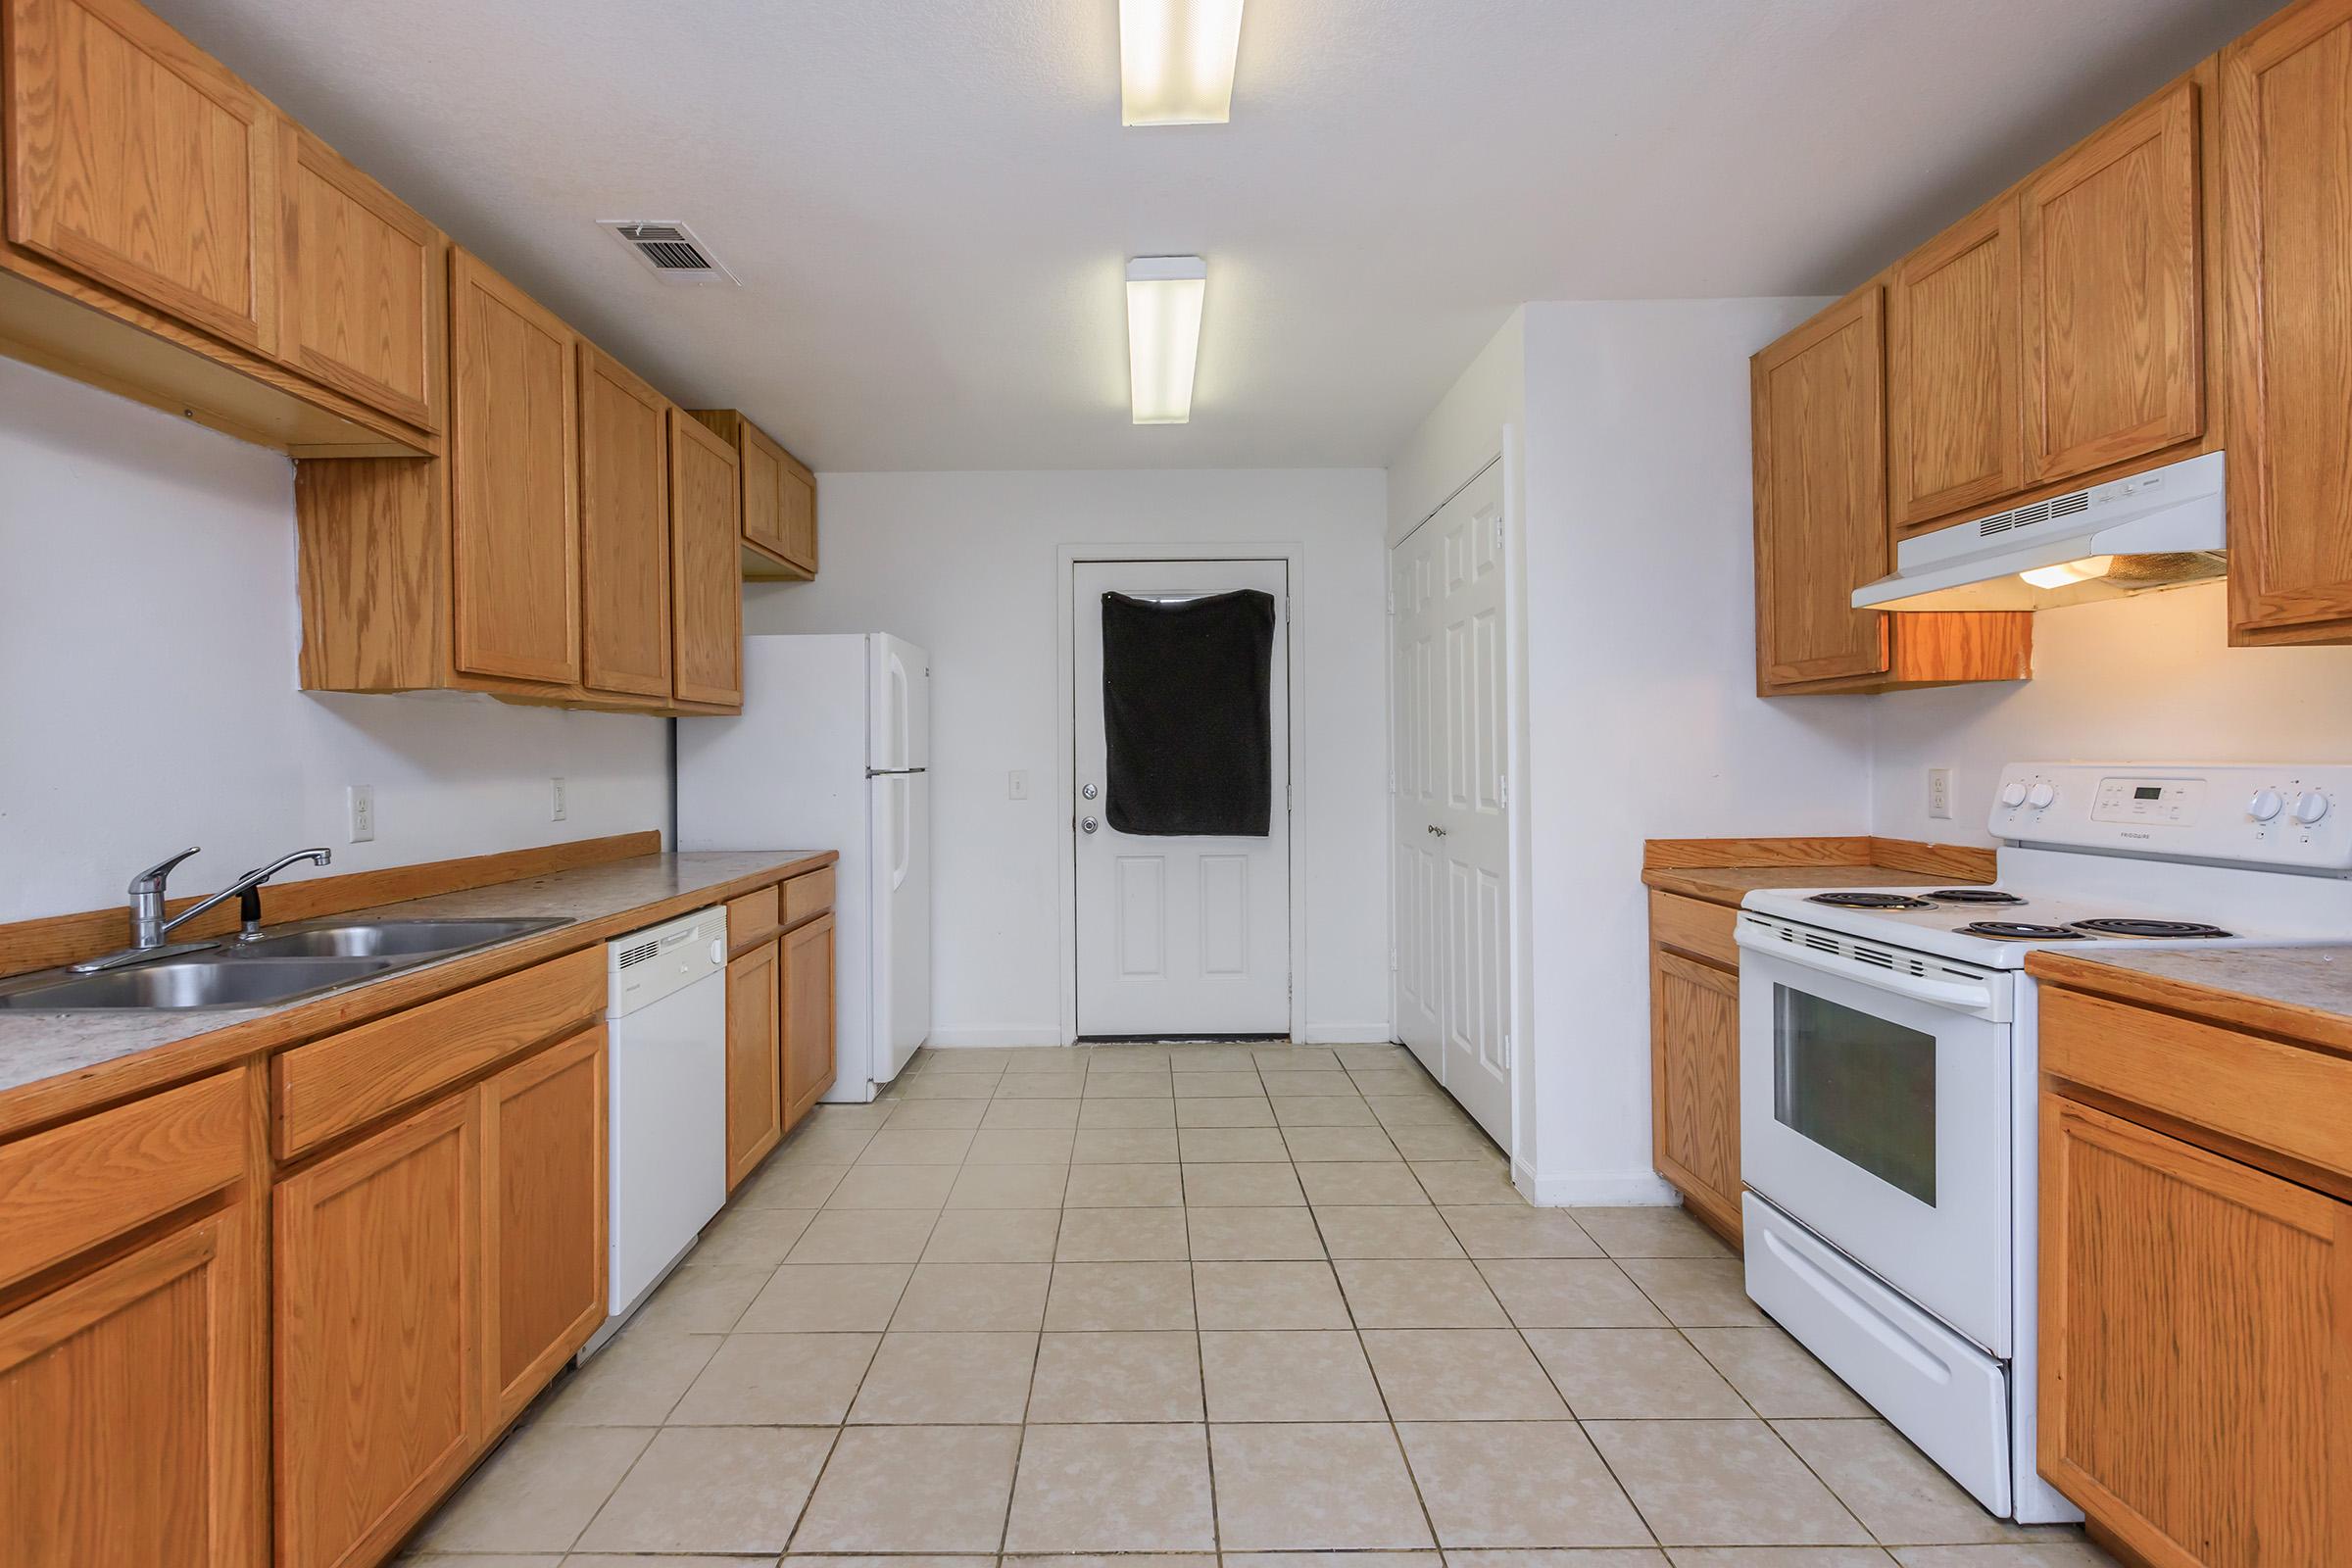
[[2069, 573]]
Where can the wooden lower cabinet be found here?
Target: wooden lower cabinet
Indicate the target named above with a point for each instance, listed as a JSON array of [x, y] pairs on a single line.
[[2196, 1347], [807, 1002], [133, 1420], [544, 1186], [1695, 1090], [754, 1060], [378, 1291]]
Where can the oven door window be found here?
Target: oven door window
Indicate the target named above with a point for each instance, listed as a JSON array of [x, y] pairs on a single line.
[[1860, 1087]]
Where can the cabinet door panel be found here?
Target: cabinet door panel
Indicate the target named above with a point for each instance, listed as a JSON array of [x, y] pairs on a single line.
[[754, 1060], [543, 1217], [376, 1282], [362, 285], [1952, 432], [2287, 91], [706, 574], [131, 1411], [1821, 500], [2196, 1372], [513, 472], [797, 509], [136, 160], [808, 1015], [762, 489], [2114, 325], [624, 530], [1695, 1019]]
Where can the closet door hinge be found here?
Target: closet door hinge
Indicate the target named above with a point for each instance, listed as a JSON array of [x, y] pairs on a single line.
[[1503, 791]]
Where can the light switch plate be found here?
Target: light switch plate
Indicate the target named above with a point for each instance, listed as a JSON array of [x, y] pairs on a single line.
[[359, 804], [1017, 784]]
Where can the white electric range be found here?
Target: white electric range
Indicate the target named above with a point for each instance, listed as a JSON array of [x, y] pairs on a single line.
[[1889, 1072]]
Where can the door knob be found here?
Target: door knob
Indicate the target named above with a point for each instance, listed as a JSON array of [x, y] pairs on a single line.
[[1089, 792], [1437, 830], [1088, 823]]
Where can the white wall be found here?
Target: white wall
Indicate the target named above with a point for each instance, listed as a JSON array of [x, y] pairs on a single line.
[[2145, 680], [148, 701], [964, 563], [1636, 649]]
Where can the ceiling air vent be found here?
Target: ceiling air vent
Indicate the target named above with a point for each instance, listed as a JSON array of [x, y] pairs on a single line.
[[671, 249]]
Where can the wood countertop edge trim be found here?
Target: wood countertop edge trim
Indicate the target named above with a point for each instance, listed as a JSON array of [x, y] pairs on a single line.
[[28, 1107], [2286, 1021], [1664, 861]]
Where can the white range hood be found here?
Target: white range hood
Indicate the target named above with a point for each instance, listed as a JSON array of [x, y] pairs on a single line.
[[2164, 528]]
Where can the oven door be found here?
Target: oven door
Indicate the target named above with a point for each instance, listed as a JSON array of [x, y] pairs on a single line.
[[1874, 1109]]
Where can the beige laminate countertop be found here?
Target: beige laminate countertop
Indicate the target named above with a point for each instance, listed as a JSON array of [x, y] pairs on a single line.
[[1728, 884], [54, 1064], [2300, 993]]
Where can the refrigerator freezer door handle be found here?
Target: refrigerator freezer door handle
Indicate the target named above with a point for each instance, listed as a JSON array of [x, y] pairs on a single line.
[[893, 772]]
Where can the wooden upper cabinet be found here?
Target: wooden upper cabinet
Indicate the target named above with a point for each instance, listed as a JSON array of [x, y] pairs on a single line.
[[1821, 512], [1954, 433], [132, 1416], [137, 160], [363, 284], [2113, 314], [754, 1060], [544, 1218], [706, 584], [807, 1000], [2196, 1348], [513, 481], [624, 530], [779, 500], [2286, 107], [377, 1277]]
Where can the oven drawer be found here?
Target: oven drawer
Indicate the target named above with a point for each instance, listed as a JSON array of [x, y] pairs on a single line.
[[1947, 1396]]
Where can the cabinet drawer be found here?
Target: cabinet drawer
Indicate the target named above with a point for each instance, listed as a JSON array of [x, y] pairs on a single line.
[[809, 894], [66, 1189], [328, 1088], [1702, 929], [752, 918], [2285, 1097]]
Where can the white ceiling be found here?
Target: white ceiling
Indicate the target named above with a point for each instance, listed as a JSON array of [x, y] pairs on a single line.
[[931, 202]]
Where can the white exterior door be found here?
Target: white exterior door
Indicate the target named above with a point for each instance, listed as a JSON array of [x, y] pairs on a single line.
[[1448, 762], [1177, 936]]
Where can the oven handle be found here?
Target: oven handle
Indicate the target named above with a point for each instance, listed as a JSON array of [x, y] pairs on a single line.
[[1964, 996]]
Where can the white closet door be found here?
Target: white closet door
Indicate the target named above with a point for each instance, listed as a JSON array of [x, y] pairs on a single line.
[[1452, 837]]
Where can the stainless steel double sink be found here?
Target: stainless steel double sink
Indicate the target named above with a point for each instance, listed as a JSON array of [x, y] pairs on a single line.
[[283, 964]]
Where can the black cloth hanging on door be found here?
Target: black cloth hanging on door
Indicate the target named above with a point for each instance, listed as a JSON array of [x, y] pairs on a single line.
[[1187, 723]]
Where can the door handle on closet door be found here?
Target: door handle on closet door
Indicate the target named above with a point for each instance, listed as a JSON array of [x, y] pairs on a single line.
[[1437, 830], [1088, 824]]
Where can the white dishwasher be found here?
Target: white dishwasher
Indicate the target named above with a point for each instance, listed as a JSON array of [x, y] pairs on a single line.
[[667, 1023]]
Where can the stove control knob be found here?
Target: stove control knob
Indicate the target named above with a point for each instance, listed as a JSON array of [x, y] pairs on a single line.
[[2309, 807], [2264, 805], [2040, 796], [2013, 795]]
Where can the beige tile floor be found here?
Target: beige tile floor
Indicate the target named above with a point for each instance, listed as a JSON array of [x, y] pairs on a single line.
[[1183, 1301]]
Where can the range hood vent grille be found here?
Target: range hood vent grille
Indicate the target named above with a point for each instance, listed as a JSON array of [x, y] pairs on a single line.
[[2028, 515], [673, 252]]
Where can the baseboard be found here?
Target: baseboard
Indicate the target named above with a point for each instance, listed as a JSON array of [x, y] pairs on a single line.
[[1349, 1034], [1626, 1189], [961, 1039]]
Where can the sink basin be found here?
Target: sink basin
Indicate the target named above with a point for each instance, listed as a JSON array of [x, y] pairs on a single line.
[[386, 938], [286, 965], [183, 984]]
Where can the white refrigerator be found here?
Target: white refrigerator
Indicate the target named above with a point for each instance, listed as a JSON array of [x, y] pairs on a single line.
[[832, 751]]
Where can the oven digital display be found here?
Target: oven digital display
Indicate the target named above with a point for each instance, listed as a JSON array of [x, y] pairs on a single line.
[[1859, 1086], [2148, 792]]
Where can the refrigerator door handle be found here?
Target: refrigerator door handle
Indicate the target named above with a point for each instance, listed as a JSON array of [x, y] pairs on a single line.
[[893, 772]]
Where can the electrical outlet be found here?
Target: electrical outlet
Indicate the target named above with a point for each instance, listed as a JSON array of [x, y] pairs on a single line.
[[360, 798], [555, 799], [1940, 793], [1017, 784]]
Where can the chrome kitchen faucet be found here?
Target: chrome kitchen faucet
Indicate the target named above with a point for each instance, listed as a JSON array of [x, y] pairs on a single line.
[[149, 928]]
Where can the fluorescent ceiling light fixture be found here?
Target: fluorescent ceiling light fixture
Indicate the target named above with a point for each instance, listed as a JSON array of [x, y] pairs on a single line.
[[1163, 335], [1176, 61]]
